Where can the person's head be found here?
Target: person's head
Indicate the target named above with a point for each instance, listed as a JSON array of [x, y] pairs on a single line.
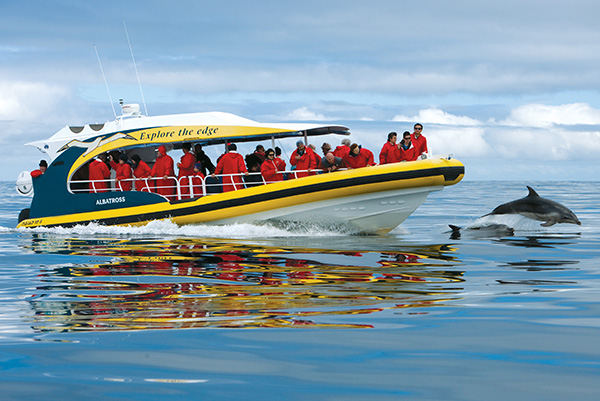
[[325, 148], [346, 142], [270, 154], [418, 129], [300, 144], [260, 149], [186, 147], [354, 149], [313, 147], [43, 165], [197, 167], [123, 158], [330, 158], [232, 147], [102, 157], [136, 159], [392, 136], [406, 136], [162, 150], [198, 149], [277, 151]]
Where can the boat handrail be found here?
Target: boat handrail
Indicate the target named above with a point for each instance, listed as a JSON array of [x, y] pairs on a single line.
[[185, 187]]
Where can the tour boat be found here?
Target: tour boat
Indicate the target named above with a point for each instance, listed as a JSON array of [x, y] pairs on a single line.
[[371, 200]]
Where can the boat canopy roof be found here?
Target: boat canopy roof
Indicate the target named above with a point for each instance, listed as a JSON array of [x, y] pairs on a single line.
[[202, 128]]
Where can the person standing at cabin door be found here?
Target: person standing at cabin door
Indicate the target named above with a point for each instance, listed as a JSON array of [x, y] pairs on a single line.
[[231, 165]]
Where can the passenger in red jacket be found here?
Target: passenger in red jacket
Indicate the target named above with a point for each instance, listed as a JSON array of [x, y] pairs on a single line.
[[343, 149], [359, 157], [41, 170], [124, 172], [99, 173], [162, 170], [231, 163], [186, 169], [197, 180], [419, 141], [304, 160], [270, 169], [389, 153], [406, 148], [280, 162], [140, 171]]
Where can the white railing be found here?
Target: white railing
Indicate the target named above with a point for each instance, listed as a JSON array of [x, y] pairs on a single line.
[[183, 188]]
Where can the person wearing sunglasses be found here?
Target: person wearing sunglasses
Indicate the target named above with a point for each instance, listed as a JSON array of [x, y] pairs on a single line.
[[418, 140], [270, 168]]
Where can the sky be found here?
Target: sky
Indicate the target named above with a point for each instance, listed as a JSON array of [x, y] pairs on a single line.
[[510, 88]]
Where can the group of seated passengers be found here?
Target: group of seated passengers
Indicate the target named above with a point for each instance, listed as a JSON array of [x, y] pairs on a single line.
[[193, 165], [231, 165]]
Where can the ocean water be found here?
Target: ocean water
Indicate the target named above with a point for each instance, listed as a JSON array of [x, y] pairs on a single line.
[[265, 313]]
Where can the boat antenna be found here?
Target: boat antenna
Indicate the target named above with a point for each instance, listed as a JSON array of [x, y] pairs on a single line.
[[105, 82], [135, 68]]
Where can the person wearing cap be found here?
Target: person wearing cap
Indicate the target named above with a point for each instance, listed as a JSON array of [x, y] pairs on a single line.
[[124, 172], [418, 140], [343, 149], [162, 170], [303, 159], [231, 165], [389, 152], [186, 169], [140, 171], [359, 157], [43, 166], [99, 173], [197, 180]]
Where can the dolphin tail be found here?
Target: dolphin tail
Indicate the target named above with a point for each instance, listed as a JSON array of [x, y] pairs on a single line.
[[455, 229]]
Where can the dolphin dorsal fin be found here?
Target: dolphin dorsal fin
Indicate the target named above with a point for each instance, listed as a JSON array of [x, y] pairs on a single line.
[[532, 191]]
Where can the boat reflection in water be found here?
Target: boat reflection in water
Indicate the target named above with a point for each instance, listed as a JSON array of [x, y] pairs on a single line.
[[191, 283]]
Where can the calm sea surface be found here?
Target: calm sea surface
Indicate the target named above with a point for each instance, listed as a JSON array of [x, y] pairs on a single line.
[[265, 313]]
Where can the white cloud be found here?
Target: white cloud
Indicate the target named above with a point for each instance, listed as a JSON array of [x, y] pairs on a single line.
[[461, 142], [438, 116], [544, 116], [26, 101], [304, 114]]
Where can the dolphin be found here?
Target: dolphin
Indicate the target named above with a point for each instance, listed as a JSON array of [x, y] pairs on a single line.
[[485, 230], [535, 207]]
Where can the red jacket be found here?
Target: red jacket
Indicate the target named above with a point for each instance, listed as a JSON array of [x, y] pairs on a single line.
[[141, 171], [270, 171], [389, 154], [409, 154], [164, 167], [186, 169], [186, 165], [231, 163], [99, 172], [341, 151], [123, 173], [280, 163], [420, 144], [197, 184], [364, 158], [307, 161]]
